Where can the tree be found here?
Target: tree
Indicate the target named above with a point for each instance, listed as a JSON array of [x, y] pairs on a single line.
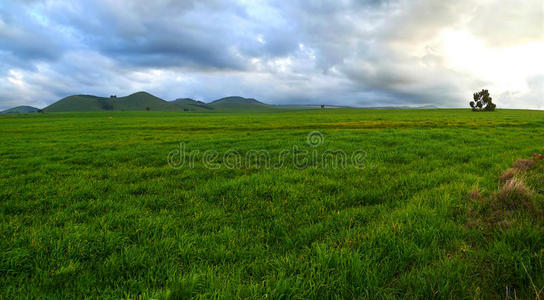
[[482, 102]]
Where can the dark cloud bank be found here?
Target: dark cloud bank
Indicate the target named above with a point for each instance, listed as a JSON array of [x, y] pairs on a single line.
[[360, 53]]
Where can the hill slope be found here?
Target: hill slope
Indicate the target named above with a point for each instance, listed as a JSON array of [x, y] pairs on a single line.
[[239, 103], [80, 103], [192, 102], [140, 101], [143, 101], [20, 110]]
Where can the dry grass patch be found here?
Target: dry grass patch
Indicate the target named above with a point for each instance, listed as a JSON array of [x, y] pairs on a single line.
[[524, 164], [475, 194], [538, 156], [514, 194], [507, 175], [519, 192]]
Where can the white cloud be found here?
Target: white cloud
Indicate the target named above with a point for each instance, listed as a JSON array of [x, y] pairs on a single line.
[[368, 53]]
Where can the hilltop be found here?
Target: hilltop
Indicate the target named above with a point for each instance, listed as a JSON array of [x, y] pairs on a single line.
[[236, 99], [192, 102], [237, 102], [20, 110], [140, 101], [143, 101]]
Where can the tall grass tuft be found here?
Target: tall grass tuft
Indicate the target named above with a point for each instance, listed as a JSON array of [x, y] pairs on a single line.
[[524, 164], [514, 194], [507, 175], [475, 194]]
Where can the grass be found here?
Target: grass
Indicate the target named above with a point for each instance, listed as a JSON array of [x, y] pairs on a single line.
[[89, 206]]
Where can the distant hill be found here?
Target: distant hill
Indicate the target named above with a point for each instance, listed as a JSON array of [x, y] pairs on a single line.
[[143, 101], [239, 103], [236, 99], [192, 102], [140, 101], [20, 110]]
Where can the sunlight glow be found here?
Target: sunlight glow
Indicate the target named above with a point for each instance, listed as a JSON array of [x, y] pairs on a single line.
[[506, 67]]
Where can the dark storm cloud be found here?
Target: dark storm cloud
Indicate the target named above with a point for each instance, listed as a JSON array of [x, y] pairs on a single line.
[[366, 53]]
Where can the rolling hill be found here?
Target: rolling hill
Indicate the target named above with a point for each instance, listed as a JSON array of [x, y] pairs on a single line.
[[143, 101], [140, 101], [239, 103], [20, 110], [192, 102]]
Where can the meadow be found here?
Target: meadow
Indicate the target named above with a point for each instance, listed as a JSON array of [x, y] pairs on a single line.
[[91, 207]]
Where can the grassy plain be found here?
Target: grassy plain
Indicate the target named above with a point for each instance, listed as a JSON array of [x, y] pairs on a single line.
[[89, 206]]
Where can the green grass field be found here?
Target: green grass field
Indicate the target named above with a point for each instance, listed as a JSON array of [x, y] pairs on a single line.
[[90, 207]]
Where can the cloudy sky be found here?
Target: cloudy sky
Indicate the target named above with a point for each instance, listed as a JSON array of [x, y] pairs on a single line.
[[360, 53]]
